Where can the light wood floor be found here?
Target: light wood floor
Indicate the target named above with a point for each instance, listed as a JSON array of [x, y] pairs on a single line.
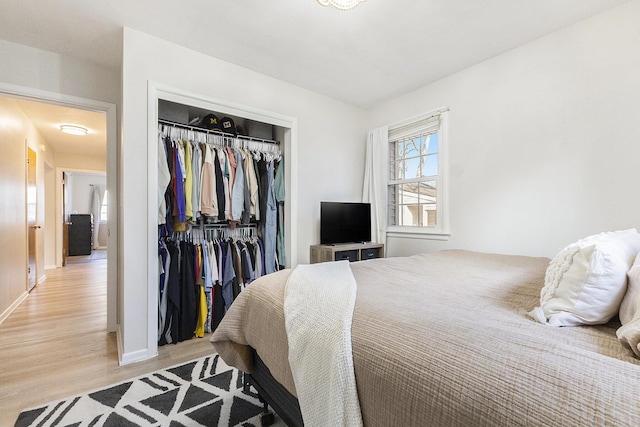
[[55, 344]]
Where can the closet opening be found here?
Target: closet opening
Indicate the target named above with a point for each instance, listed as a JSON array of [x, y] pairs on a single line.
[[237, 225]]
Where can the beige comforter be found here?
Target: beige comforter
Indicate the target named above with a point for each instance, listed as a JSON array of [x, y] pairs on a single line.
[[443, 339]]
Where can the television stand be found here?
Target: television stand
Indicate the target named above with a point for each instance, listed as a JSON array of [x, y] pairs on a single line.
[[346, 251]]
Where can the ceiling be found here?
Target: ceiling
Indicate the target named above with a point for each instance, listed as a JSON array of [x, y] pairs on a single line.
[[375, 52], [47, 118]]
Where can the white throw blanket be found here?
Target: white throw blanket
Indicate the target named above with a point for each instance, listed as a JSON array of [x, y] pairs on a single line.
[[318, 311]]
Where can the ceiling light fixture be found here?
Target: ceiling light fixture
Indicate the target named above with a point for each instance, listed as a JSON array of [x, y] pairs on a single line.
[[74, 129], [341, 4]]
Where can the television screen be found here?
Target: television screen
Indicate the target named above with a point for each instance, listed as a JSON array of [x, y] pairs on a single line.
[[342, 222]]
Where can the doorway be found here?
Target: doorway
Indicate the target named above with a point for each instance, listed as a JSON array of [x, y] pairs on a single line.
[[47, 240], [85, 215]]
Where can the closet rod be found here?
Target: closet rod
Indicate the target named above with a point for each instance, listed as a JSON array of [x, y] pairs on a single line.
[[216, 132], [226, 225]]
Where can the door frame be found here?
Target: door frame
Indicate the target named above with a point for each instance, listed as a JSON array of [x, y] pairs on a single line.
[[32, 227], [110, 110], [60, 214]]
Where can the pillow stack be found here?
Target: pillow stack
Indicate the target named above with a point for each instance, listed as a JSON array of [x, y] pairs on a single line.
[[586, 282]]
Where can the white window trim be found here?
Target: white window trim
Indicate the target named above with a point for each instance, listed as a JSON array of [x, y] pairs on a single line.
[[441, 231]]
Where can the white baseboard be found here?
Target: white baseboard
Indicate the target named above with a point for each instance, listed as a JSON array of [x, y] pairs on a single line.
[[50, 267], [13, 306], [42, 279]]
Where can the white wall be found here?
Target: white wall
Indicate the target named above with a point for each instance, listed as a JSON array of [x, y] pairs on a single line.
[[330, 154], [543, 140], [16, 133], [70, 161], [80, 168], [38, 69], [81, 191]]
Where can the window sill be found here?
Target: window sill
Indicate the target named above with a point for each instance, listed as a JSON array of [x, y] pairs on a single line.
[[417, 233]]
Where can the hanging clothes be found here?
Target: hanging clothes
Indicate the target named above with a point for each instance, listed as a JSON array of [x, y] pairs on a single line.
[[263, 189], [196, 168], [202, 298], [164, 179], [246, 207], [280, 198], [169, 196], [252, 178], [164, 261], [188, 294], [270, 225], [203, 182], [237, 200], [171, 326], [179, 216], [218, 300], [188, 181], [208, 199], [228, 275], [226, 183], [219, 187]]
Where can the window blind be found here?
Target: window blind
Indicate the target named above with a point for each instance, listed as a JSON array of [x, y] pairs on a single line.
[[418, 127]]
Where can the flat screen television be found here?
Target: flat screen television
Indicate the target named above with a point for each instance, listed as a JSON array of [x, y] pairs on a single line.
[[343, 222]]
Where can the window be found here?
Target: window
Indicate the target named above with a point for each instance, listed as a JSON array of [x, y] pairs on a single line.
[[103, 207], [416, 186]]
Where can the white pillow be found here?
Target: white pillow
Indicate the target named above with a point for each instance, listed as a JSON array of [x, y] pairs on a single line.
[[629, 332], [586, 281]]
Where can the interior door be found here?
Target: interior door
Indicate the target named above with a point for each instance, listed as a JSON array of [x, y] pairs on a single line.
[[32, 209]]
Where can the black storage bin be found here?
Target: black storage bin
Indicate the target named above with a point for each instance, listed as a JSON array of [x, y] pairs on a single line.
[[348, 255], [80, 229], [370, 253]]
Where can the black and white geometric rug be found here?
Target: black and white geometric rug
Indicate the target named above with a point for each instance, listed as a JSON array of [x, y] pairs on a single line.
[[203, 392]]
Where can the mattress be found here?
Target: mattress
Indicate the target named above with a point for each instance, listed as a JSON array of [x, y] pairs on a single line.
[[443, 339]]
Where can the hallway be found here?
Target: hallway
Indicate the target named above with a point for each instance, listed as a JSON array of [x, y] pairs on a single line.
[[55, 343]]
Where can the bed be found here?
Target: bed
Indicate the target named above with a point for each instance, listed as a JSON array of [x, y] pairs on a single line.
[[444, 339]]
